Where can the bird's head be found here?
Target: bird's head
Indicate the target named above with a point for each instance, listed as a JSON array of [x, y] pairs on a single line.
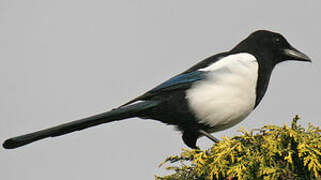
[[271, 46]]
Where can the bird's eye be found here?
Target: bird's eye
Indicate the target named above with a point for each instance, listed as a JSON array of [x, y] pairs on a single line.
[[277, 41]]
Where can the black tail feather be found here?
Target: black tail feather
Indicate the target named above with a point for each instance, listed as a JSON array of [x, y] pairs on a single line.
[[123, 112]]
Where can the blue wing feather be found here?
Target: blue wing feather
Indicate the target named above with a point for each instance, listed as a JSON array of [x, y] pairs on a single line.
[[179, 80]]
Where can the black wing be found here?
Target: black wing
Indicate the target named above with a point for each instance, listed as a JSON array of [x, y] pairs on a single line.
[[182, 81]]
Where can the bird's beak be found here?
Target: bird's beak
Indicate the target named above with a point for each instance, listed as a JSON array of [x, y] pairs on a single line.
[[294, 54]]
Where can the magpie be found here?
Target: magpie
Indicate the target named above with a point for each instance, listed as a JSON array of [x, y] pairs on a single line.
[[213, 95]]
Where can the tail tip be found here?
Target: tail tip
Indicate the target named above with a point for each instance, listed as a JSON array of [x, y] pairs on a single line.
[[9, 144]]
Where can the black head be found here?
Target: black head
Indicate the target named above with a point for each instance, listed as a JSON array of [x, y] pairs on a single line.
[[270, 46]]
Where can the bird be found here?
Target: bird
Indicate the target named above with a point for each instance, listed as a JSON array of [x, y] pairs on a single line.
[[213, 95]]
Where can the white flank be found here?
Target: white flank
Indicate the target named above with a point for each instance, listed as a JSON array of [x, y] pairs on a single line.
[[228, 94]]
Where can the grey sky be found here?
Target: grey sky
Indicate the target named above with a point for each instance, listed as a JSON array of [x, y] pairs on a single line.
[[67, 59]]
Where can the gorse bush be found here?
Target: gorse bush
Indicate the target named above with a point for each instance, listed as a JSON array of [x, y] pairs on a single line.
[[271, 152]]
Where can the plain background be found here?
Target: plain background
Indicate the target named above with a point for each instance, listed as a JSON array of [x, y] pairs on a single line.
[[67, 59]]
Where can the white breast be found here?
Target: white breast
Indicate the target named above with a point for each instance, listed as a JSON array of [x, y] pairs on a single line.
[[228, 94]]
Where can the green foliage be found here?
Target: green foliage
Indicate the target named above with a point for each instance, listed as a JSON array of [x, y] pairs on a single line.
[[271, 152]]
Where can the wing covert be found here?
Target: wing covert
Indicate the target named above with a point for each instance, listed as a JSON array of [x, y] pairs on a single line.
[[178, 82]]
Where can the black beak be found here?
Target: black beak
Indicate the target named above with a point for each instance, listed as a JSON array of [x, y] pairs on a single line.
[[294, 54]]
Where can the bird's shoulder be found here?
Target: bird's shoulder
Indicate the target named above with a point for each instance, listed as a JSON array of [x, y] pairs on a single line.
[[208, 61]]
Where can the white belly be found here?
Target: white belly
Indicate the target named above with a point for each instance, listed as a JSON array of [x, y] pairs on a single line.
[[228, 95]]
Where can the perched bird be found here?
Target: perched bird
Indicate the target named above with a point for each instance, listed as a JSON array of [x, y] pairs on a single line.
[[211, 96]]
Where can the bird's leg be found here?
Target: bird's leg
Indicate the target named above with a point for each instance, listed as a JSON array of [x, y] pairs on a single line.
[[214, 139]]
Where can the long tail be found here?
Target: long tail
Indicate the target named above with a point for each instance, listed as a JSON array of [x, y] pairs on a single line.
[[113, 115]]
